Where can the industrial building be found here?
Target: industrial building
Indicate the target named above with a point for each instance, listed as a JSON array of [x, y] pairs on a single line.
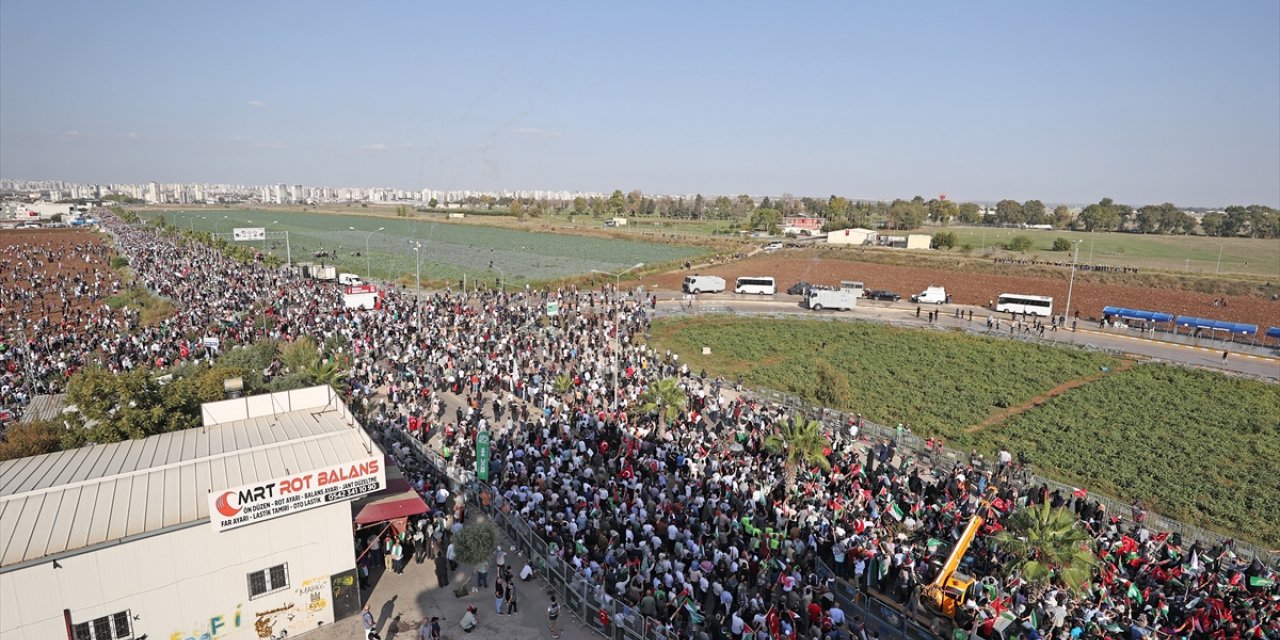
[[241, 527]]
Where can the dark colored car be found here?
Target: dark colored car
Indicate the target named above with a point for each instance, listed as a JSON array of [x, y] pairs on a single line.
[[799, 289], [881, 294]]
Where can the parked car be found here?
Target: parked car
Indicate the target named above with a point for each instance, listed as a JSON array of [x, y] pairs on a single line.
[[773, 246], [881, 294], [799, 289]]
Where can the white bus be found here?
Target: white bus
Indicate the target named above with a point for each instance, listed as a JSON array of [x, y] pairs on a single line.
[[762, 285], [1019, 303]]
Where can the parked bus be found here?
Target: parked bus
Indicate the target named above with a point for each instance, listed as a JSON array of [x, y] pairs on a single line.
[[762, 285], [1019, 303]]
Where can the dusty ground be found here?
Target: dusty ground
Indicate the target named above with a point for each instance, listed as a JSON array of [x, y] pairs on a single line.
[[978, 289], [68, 264]]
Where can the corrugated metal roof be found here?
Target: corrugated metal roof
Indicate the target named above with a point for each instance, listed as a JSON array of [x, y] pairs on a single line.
[[74, 499], [44, 407]]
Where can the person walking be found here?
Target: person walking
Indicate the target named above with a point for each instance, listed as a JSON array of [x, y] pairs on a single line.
[[442, 571], [397, 557], [509, 595], [482, 575], [553, 612], [370, 628], [452, 555], [499, 595]]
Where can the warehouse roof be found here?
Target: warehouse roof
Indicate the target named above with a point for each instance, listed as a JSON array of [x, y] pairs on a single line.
[[70, 500]]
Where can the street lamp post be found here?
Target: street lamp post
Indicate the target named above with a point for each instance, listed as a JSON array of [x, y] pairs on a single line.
[[417, 276], [1219, 265], [368, 270], [217, 223], [1072, 280], [617, 326], [502, 273]]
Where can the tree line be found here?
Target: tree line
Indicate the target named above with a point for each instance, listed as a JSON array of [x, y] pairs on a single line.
[[1255, 221]]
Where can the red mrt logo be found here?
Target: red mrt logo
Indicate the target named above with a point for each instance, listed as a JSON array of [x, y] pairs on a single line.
[[296, 484]]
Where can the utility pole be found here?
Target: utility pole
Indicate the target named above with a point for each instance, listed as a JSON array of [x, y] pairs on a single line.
[[368, 270], [1072, 281], [417, 275], [1219, 265], [617, 326]]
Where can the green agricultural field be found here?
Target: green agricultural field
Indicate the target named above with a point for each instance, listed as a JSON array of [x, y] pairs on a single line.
[[449, 251], [939, 383], [1196, 254], [1195, 445]]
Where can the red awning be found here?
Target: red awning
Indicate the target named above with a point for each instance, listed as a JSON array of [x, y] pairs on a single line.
[[391, 507]]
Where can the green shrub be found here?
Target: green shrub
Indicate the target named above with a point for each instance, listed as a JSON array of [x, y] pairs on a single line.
[[943, 240], [119, 262], [1019, 243], [1061, 244]]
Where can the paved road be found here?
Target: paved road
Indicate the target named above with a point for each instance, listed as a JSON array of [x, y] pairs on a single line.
[[905, 313]]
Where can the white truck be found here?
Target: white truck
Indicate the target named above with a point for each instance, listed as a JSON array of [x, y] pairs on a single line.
[[349, 280], [700, 284], [839, 299], [931, 295]]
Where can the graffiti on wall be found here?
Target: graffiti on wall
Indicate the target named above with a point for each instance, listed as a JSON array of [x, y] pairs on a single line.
[[302, 610], [216, 626]]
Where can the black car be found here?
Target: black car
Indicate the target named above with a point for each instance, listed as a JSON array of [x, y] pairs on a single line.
[[799, 289], [881, 294]]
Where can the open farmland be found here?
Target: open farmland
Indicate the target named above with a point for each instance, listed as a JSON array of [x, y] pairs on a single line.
[[1194, 445], [23, 242], [1196, 254], [937, 382], [450, 251], [972, 287]]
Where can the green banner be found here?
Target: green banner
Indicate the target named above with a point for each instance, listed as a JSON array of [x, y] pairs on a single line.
[[553, 308], [482, 456]]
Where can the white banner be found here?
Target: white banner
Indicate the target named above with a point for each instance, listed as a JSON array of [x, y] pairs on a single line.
[[240, 506], [249, 233]]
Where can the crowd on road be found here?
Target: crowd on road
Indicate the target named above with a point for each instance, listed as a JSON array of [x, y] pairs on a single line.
[[675, 507]]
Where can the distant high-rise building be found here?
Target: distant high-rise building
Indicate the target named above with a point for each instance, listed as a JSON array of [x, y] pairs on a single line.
[[153, 193]]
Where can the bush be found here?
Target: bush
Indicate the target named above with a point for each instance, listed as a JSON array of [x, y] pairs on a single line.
[[119, 262], [1019, 243], [1061, 244], [943, 240], [476, 543]]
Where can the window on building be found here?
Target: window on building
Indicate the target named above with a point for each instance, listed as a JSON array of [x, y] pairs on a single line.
[[117, 626], [268, 581]]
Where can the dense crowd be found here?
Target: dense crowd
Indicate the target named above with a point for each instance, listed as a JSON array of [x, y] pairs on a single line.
[[681, 514], [1107, 268]]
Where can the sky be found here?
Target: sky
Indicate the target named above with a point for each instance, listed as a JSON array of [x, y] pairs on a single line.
[[1066, 102]]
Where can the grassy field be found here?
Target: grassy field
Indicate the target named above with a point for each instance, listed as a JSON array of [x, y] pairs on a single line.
[[1195, 445], [450, 251], [1196, 254], [939, 383]]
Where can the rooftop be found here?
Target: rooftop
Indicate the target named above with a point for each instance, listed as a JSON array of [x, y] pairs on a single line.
[[71, 500]]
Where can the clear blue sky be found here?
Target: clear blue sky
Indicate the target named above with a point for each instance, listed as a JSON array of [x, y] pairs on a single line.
[[1063, 101]]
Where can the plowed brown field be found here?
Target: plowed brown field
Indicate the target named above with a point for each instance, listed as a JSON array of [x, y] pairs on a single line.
[[969, 288], [58, 274]]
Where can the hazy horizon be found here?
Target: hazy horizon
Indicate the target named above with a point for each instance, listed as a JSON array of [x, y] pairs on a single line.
[[1142, 102]]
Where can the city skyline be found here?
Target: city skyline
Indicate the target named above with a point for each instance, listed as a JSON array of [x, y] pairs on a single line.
[[1144, 103]]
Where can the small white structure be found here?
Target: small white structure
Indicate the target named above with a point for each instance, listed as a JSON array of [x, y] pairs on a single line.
[[239, 528], [855, 236], [919, 241], [615, 222]]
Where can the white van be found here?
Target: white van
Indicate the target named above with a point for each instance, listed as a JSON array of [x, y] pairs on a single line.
[[349, 280], [773, 246], [854, 287], [931, 295], [699, 284]]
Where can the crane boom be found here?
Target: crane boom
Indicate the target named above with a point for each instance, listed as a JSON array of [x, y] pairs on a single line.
[[962, 545]]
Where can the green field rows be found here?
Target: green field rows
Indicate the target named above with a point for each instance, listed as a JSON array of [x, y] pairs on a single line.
[[1195, 445], [448, 250]]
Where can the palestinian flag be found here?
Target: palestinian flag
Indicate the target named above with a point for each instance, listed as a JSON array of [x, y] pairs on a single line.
[[933, 544], [1260, 581], [1080, 493], [694, 616], [895, 511], [1133, 593]]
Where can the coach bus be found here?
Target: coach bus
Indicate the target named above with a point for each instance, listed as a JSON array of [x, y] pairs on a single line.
[[1019, 303], [762, 285]]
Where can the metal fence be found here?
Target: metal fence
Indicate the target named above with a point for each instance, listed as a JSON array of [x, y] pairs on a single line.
[[839, 422]]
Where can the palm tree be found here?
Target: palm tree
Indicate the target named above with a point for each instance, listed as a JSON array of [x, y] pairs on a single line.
[[328, 372], [662, 396], [803, 443], [1050, 548]]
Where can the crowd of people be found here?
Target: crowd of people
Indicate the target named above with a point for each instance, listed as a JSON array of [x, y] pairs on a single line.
[[1107, 268], [680, 512]]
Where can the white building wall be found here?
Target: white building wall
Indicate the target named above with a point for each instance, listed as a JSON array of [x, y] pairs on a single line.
[[190, 584]]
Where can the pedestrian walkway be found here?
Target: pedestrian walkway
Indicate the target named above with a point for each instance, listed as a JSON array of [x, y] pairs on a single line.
[[415, 595]]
